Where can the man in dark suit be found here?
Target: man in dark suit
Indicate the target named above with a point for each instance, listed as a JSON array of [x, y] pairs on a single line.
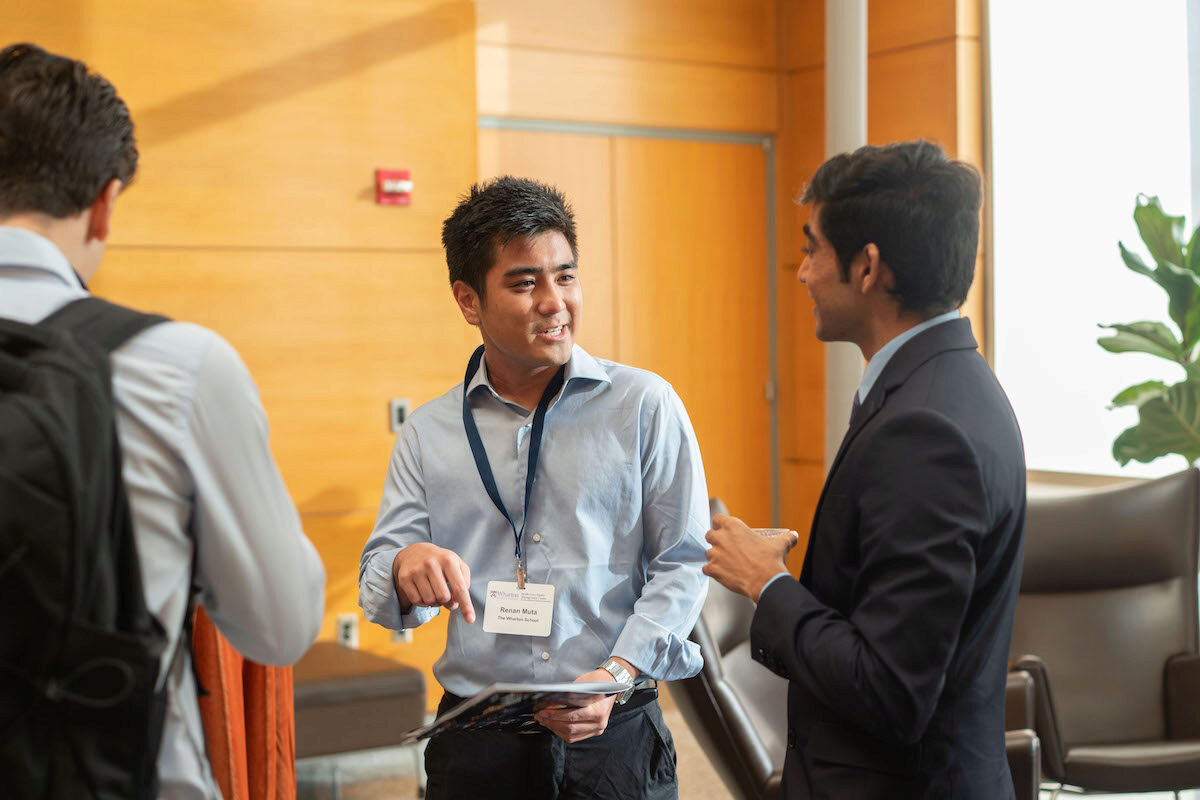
[[895, 637]]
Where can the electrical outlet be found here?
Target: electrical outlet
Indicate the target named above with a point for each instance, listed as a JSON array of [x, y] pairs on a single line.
[[402, 637], [398, 408], [347, 629]]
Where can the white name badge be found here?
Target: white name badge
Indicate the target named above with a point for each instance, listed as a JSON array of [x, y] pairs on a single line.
[[524, 612]]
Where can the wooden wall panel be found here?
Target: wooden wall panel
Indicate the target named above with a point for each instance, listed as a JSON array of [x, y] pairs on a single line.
[[731, 32], [970, 94], [340, 539], [261, 124], [545, 84], [801, 490], [911, 95], [891, 24], [801, 356], [581, 166], [692, 300], [801, 151], [259, 127], [329, 337], [801, 374]]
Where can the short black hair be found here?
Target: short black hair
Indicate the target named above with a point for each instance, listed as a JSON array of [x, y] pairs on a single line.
[[920, 208], [494, 213], [64, 134]]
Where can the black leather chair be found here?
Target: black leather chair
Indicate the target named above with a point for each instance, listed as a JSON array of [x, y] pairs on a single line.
[[1106, 626], [1020, 741], [737, 709]]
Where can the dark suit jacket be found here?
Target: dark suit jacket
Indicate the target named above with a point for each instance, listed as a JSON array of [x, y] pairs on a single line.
[[895, 639]]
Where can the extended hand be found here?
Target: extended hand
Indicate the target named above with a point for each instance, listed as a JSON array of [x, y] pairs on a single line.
[[576, 723], [740, 559], [428, 575]]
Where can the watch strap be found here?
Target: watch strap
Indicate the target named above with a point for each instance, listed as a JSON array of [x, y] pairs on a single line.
[[620, 675]]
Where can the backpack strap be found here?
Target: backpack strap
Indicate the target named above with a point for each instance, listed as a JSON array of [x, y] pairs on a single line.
[[101, 322], [109, 325]]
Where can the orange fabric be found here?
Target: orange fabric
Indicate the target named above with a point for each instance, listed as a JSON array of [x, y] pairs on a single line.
[[249, 719]]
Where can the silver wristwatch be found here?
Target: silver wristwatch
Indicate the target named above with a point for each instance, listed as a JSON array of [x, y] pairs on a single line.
[[620, 675]]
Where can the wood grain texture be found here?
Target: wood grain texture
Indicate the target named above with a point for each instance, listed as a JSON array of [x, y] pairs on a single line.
[[729, 32], [261, 124], [801, 481], [581, 166], [891, 25], [895, 24], [969, 114], [328, 337], [911, 94], [557, 85], [801, 151], [801, 374], [801, 34], [801, 356], [692, 300]]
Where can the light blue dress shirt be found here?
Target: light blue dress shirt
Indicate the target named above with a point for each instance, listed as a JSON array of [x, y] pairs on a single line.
[[616, 524], [875, 369], [884, 355]]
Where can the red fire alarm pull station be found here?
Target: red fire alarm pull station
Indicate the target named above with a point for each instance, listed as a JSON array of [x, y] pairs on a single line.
[[393, 187]]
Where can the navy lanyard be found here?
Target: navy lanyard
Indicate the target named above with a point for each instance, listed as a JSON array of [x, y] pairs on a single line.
[[535, 446]]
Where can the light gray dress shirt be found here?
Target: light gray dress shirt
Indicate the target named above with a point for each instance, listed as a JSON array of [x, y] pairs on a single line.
[[194, 439], [616, 525]]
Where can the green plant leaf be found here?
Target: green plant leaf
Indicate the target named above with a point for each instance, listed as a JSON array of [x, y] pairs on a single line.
[[1138, 394], [1134, 261], [1183, 292], [1154, 338], [1169, 423], [1162, 233], [1192, 257]]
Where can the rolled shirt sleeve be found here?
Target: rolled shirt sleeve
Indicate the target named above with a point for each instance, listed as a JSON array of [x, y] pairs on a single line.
[[675, 513]]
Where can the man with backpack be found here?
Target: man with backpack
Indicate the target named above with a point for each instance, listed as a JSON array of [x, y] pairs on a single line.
[[104, 532]]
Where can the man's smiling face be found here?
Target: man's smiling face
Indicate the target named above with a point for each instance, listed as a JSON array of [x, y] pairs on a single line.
[[530, 314]]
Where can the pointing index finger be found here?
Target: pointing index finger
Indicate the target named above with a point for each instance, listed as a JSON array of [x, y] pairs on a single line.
[[459, 578]]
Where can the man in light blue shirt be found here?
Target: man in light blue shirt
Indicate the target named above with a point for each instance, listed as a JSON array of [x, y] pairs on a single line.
[[607, 515]]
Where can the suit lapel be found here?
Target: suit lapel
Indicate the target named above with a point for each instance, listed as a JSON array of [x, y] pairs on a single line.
[[953, 335]]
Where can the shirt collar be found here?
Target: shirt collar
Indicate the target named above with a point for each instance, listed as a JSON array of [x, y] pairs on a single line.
[[879, 361], [581, 366], [23, 248]]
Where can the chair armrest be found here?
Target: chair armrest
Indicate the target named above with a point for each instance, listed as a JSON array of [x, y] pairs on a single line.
[[1024, 759], [1019, 701], [1181, 685], [1045, 717]]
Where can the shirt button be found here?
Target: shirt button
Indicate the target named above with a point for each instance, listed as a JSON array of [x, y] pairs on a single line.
[[537, 537], [545, 656]]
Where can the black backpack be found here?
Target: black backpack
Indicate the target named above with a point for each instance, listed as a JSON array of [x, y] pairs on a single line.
[[82, 700]]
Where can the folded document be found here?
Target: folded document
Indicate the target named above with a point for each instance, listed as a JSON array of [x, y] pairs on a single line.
[[511, 706]]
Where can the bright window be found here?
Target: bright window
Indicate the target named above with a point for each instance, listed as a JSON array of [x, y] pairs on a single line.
[[1089, 107]]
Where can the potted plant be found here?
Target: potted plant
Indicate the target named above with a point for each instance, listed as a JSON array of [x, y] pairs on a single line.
[[1168, 415]]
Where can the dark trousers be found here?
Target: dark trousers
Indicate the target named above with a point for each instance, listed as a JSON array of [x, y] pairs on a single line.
[[634, 759]]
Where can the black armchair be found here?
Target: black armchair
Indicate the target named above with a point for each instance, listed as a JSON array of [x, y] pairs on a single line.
[[1106, 626]]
